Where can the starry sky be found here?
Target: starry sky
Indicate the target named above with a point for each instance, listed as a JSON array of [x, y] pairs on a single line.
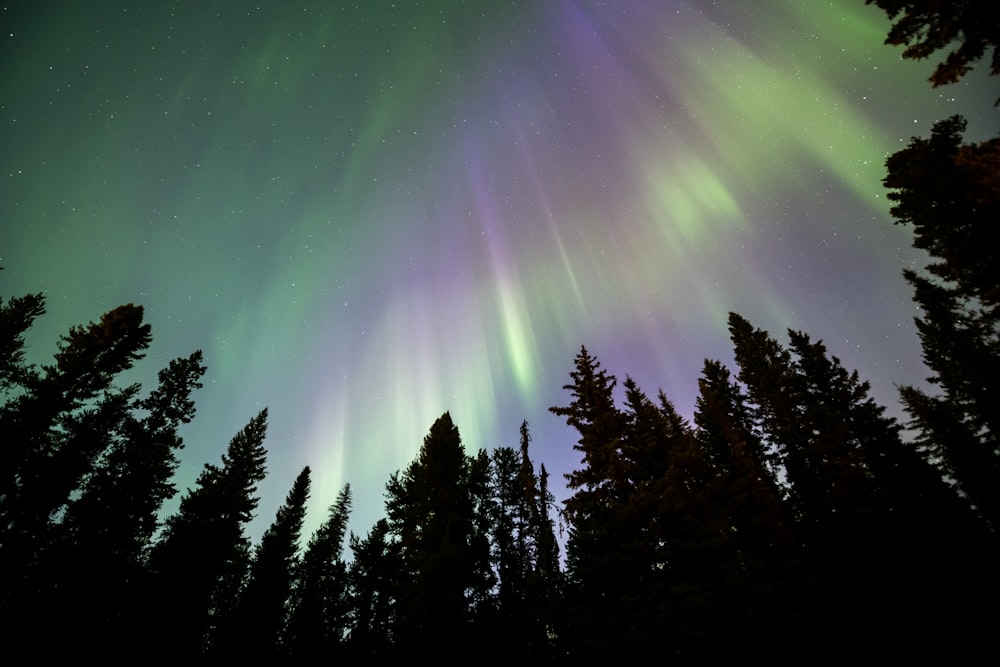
[[368, 213]]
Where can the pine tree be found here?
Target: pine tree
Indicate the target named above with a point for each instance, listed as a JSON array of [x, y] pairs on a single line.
[[253, 629], [950, 193], [642, 527], [203, 554], [869, 508], [58, 423], [596, 572], [970, 28], [100, 546], [319, 616], [376, 583], [16, 317], [546, 585], [431, 510]]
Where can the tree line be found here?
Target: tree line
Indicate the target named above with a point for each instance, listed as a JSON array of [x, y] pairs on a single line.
[[790, 520]]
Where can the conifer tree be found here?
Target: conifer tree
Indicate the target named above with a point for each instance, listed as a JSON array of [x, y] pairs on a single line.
[[868, 508], [253, 629], [547, 579], [100, 546], [970, 28], [766, 582], [639, 519], [677, 534], [804, 406], [594, 559], [431, 510], [60, 420], [16, 317], [203, 553], [319, 616], [950, 193], [525, 555], [512, 545], [376, 583]]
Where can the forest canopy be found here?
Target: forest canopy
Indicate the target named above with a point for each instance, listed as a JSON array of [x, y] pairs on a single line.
[[791, 516]]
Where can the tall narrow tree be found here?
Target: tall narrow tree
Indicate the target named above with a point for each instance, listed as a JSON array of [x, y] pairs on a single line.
[[950, 193], [253, 629], [431, 509], [377, 582], [319, 616], [204, 551]]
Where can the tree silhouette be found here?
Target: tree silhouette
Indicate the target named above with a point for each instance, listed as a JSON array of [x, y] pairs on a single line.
[[60, 420], [253, 629], [431, 511], [524, 561], [376, 578], [319, 612], [100, 546], [764, 577], [950, 193], [16, 317], [970, 27], [201, 559], [865, 503]]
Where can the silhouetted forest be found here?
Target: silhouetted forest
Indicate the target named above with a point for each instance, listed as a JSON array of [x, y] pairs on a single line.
[[791, 521]]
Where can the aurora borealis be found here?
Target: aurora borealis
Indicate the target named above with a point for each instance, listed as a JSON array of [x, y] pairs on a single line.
[[368, 215]]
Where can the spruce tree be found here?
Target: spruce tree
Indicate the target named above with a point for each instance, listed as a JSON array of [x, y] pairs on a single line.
[[765, 579], [377, 581], [950, 193], [58, 423], [596, 572], [319, 616], [971, 29], [432, 513], [203, 554], [511, 546], [640, 519], [253, 629], [546, 585], [100, 546], [677, 535], [16, 317], [868, 508]]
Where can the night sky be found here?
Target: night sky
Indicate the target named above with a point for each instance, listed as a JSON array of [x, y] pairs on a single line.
[[368, 213]]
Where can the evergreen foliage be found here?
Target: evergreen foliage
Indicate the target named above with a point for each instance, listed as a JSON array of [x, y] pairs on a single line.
[[431, 511], [792, 517], [319, 616], [375, 580], [254, 628], [970, 27], [950, 193], [791, 512], [201, 560], [100, 547], [524, 554]]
